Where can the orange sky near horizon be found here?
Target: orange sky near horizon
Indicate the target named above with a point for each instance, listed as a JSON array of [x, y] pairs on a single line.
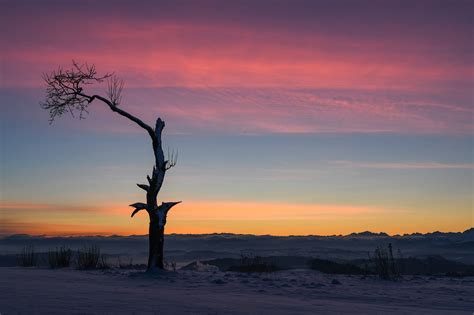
[[203, 217]]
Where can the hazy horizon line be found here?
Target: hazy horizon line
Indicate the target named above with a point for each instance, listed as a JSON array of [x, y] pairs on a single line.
[[236, 234]]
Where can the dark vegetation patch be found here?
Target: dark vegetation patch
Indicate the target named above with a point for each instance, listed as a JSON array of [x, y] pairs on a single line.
[[254, 264], [88, 257], [60, 257], [384, 263], [331, 267], [435, 265], [28, 257]]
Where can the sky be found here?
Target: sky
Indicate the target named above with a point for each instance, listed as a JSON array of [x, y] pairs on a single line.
[[290, 117]]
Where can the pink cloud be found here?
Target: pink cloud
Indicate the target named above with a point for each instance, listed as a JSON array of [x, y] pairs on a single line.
[[197, 54], [254, 77]]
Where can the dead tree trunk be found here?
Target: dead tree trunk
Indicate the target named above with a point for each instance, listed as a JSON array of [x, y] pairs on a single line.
[[157, 214], [65, 93], [156, 239]]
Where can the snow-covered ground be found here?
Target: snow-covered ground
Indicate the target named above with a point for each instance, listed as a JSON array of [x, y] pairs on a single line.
[[69, 291]]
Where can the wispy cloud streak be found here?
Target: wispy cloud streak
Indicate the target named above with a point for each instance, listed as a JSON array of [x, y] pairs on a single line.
[[284, 110], [404, 165]]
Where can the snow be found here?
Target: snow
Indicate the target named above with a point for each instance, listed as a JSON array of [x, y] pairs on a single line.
[[69, 291]]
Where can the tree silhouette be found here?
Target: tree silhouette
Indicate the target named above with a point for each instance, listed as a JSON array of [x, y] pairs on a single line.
[[65, 94]]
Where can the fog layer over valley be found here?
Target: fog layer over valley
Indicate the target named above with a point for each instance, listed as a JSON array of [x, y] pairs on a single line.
[[183, 249]]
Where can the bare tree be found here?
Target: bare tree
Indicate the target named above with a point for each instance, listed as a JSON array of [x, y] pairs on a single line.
[[65, 94]]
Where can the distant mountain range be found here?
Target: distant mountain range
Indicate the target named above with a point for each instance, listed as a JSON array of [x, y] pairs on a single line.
[[437, 234], [467, 235]]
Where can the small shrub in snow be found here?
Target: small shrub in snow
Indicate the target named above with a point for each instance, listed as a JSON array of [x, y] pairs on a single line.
[[60, 257], [384, 262], [103, 262], [28, 257], [88, 257]]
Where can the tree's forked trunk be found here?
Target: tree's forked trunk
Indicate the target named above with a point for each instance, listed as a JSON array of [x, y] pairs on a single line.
[[157, 214]]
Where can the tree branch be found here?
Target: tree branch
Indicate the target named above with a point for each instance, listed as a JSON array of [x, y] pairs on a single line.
[[144, 187], [135, 212], [64, 93], [138, 207], [123, 113]]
